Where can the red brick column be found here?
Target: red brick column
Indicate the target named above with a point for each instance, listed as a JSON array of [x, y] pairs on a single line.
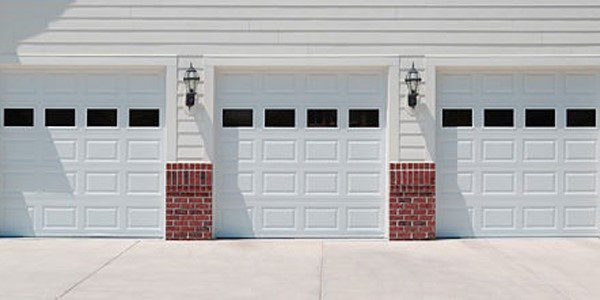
[[412, 201], [189, 201]]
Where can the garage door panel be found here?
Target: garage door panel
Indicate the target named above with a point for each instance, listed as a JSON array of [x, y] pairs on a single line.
[[236, 222], [517, 181], [580, 217], [278, 218], [15, 150], [102, 218], [146, 218], [494, 218], [456, 222], [60, 150], [59, 182], [322, 218], [300, 181], [144, 151], [364, 218], [581, 83], [101, 150], [363, 183], [498, 150], [59, 218], [580, 183], [17, 181], [540, 218], [242, 182], [364, 151], [536, 150], [580, 150], [457, 182], [12, 216], [321, 151], [80, 180], [144, 183], [540, 183], [279, 183], [279, 151], [321, 84], [319, 183]]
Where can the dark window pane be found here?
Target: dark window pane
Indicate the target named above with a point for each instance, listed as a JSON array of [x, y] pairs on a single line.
[[280, 118], [539, 118], [18, 117], [457, 118], [237, 118], [102, 117], [498, 118], [144, 118], [364, 118], [60, 117], [581, 118], [321, 118]]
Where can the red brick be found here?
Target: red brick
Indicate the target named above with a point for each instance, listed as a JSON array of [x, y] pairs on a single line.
[[412, 201], [189, 201]]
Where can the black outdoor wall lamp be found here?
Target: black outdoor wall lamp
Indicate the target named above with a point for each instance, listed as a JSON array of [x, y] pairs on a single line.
[[412, 80], [191, 80]]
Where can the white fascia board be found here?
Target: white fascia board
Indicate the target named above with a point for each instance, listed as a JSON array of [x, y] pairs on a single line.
[[512, 62], [88, 60], [301, 61]]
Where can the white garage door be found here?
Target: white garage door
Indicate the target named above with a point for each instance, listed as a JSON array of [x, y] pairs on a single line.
[[518, 154], [81, 153], [300, 155]]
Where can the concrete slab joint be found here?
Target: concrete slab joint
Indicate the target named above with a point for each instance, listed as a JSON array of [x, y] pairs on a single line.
[[412, 201], [189, 214]]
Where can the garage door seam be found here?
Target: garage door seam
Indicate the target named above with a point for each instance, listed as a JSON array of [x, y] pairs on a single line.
[[86, 278]]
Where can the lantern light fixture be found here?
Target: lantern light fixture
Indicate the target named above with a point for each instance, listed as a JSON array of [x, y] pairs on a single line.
[[412, 80], [191, 80]]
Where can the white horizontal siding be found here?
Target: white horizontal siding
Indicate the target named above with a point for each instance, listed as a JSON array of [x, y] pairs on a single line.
[[189, 27], [151, 25], [416, 138]]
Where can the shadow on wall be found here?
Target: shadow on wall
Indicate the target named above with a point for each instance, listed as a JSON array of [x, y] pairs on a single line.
[[26, 184], [23, 19], [204, 123], [232, 218], [457, 221]]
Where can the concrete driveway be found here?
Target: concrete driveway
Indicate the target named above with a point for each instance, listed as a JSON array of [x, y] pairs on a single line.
[[299, 269]]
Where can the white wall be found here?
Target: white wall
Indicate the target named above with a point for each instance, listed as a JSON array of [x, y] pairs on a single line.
[[193, 124], [190, 27], [417, 125]]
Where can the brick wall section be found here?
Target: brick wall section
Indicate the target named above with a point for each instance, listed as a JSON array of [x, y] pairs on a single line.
[[412, 201], [189, 201]]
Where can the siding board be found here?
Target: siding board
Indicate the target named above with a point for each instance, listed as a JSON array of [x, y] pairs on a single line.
[[190, 27], [337, 12], [424, 26]]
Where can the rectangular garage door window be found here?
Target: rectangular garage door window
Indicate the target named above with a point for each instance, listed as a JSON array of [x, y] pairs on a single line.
[[144, 118], [581, 118], [364, 118], [101, 117], [60, 117], [321, 118], [237, 117], [539, 118], [280, 118], [21, 117], [498, 118], [457, 118]]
